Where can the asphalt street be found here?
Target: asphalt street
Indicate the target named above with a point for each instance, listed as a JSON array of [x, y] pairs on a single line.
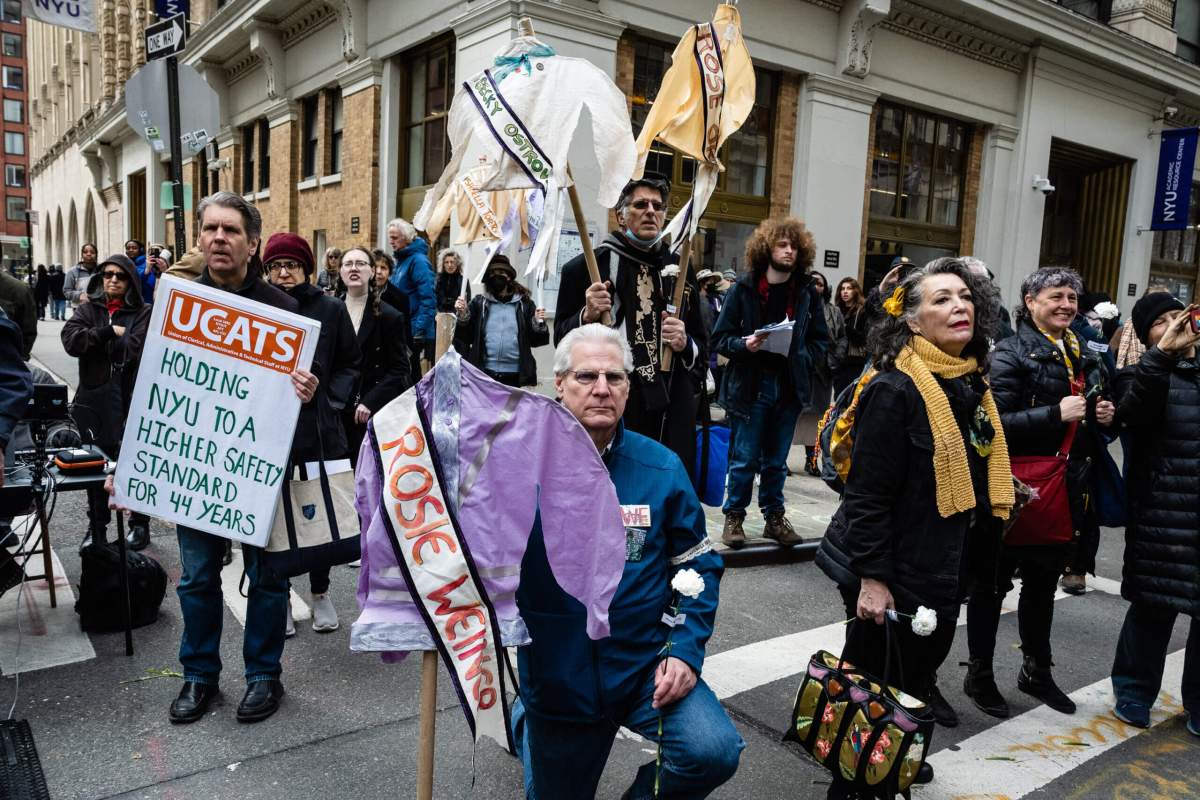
[[348, 726]]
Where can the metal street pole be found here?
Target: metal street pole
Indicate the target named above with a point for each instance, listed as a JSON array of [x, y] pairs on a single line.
[[29, 238], [176, 155]]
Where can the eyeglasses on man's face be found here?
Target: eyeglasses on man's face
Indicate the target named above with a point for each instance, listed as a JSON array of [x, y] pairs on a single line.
[[587, 377], [643, 204]]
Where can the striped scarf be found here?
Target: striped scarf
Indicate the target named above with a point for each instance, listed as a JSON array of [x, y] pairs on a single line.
[[921, 360]]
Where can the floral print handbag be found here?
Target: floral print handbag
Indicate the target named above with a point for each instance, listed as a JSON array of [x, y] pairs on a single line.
[[860, 728]]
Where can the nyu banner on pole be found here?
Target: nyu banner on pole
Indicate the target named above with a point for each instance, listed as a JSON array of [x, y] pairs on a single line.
[[165, 9], [1173, 188], [77, 14]]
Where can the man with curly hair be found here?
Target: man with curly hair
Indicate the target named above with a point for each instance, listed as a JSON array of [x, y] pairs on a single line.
[[763, 391]]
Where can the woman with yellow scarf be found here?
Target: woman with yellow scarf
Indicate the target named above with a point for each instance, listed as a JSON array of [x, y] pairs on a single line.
[[929, 479]]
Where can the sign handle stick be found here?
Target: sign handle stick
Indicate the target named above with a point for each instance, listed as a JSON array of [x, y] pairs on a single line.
[[429, 676], [589, 255], [685, 255]]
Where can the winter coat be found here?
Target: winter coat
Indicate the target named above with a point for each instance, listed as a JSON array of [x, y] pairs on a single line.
[[741, 316], [77, 281], [41, 289], [16, 298], [449, 288], [16, 384], [564, 674], [413, 275], [383, 341], [1029, 379], [1159, 407], [108, 363], [320, 435], [471, 335], [838, 343], [56, 285], [147, 276], [888, 526]]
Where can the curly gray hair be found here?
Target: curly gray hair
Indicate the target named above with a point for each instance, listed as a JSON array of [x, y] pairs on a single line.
[[1044, 278], [890, 334]]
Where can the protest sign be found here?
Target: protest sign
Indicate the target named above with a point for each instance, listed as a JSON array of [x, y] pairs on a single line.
[[213, 413]]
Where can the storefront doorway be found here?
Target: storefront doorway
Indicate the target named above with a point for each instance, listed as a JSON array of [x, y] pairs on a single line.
[[1084, 220]]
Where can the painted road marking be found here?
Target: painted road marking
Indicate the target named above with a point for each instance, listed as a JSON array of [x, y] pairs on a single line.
[[1027, 752], [49, 637], [750, 666], [231, 577]]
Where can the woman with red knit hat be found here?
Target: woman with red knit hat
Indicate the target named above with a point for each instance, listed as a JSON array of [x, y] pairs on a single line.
[[320, 435]]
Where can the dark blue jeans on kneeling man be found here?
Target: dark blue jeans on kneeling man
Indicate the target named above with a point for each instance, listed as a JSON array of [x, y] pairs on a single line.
[[203, 608]]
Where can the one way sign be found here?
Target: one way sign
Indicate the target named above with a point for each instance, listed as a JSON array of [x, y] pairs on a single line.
[[166, 38]]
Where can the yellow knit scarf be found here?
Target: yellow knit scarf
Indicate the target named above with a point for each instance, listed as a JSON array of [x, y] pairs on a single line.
[[921, 360]]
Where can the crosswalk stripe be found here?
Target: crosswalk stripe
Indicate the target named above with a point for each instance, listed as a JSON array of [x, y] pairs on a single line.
[[1027, 752], [231, 577]]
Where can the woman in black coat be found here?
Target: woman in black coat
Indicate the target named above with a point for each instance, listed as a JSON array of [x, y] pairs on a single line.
[[320, 434], [41, 290], [1158, 399], [106, 334], [929, 476], [1033, 374], [380, 331], [450, 281], [850, 301], [509, 361]]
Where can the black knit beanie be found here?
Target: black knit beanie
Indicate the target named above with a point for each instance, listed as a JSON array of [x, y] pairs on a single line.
[[1150, 308]]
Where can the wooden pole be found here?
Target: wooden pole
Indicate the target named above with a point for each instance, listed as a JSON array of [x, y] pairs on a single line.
[[589, 255], [685, 256], [429, 676]]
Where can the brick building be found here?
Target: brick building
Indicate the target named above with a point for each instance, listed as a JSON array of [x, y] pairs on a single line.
[[891, 126], [14, 156]]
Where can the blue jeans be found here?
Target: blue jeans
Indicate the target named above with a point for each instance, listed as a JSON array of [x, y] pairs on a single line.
[[1142, 653], [204, 610], [58, 309], [564, 760], [760, 444]]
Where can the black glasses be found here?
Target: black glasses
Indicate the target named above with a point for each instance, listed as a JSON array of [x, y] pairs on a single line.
[[115, 276], [587, 377], [642, 205], [284, 266]]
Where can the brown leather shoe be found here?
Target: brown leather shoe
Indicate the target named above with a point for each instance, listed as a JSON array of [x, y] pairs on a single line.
[[733, 535], [779, 529]]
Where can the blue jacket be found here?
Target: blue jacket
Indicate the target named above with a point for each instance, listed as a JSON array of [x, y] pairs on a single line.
[[413, 275], [567, 676], [146, 275], [16, 384]]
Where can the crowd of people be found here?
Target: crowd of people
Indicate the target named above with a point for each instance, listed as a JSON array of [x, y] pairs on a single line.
[[940, 396]]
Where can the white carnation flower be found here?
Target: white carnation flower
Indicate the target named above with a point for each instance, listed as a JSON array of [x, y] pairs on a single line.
[[1106, 310], [924, 622], [688, 583]]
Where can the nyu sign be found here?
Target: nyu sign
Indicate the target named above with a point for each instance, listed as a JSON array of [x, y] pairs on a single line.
[[165, 9], [1173, 187], [77, 14]]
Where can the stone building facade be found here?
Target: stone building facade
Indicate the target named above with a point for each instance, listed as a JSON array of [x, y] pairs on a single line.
[[891, 126]]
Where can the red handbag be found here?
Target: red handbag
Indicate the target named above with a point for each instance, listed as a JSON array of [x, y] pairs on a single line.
[[1046, 518]]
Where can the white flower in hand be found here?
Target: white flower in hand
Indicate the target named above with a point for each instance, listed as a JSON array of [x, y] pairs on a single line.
[[924, 622], [688, 583], [1107, 310]]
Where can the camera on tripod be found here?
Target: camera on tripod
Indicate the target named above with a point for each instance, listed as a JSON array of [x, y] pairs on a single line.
[[44, 432]]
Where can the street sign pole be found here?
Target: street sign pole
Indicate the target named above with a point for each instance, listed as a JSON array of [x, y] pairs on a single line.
[[29, 237], [176, 156]]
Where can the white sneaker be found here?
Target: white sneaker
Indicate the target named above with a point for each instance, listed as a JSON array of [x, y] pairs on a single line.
[[324, 614], [290, 629]]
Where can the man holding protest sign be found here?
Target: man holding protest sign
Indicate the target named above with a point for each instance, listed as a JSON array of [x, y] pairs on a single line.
[[246, 349], [645, 676], [632, 263]]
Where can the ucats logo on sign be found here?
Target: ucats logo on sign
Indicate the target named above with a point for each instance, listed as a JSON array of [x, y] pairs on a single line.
[[232, 332]]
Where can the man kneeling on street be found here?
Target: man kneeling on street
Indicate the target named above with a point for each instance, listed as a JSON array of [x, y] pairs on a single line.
[[576, 693]]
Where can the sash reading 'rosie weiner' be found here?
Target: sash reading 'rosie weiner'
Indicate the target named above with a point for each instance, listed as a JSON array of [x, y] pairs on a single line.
[[437, 564], [508, 129]]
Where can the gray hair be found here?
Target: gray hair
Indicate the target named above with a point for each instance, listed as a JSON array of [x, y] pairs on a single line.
[[406, 228], [1046, 278], [592, 332], [458, 262], [251, 219], [978, 266]]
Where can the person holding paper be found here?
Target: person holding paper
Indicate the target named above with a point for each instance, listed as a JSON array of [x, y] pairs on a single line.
[[230, 230], [763, 389]]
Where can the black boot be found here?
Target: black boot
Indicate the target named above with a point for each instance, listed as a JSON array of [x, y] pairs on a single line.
[[1036, 680], [943, 712], [137, 534], [980, 686], [810, 462]]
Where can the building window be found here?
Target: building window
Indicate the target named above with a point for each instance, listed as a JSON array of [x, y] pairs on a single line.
[[14, 143], [1099, 10], [11, 11], [308, 145], [12, 45], [1174, 256], [428, 89], [264, 154], [14, 110], [916, 186], [1187, 30], [247, 159], [15, 208], [334, 104], [14, 176], [14, 78]]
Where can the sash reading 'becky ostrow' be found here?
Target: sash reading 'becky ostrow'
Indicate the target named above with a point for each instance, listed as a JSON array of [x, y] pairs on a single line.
[[508, 129], [437, 564]]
